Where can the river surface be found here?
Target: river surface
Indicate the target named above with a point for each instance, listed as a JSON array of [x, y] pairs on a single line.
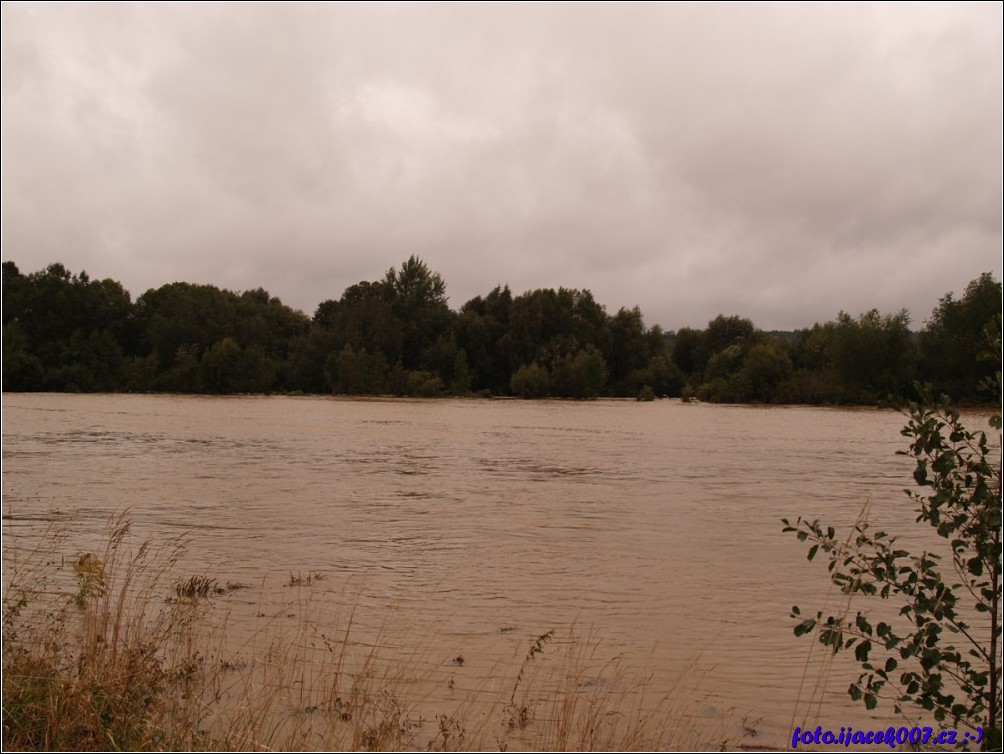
[[477, 525]]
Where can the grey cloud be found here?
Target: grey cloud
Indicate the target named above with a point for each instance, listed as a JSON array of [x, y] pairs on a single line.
[[780, 162]]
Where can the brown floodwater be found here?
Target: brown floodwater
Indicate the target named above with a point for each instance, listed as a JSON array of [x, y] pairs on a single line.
[[469, 527]]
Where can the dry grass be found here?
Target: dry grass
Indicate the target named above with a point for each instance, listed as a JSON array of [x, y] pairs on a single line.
[[93, 658], [111, 651]]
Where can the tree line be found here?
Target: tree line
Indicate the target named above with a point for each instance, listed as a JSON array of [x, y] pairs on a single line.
[[398, 336]]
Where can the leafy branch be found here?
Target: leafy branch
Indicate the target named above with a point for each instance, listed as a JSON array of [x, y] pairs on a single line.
[[940, 651]]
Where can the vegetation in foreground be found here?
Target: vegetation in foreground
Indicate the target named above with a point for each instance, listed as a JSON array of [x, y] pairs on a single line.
[[111, 652], [398, 336], [937, 653]]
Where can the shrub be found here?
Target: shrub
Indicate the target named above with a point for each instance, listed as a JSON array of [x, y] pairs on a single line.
[[530, 381], [424, 385], [940, 652]]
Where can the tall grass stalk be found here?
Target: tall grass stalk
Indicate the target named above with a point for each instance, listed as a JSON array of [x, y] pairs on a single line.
[[113, 650]]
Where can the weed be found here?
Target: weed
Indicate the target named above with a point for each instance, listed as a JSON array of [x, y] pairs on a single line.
[[535, 649], [90, 577], [299, 579], [195, 588], [98, 669], [94, 657], [451, 735]]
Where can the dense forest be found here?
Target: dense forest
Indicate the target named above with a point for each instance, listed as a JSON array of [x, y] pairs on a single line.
[[398, 336]]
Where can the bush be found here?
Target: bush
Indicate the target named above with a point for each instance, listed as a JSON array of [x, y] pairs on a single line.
[[530, 381], [940, 652], [732, 389], [424, 385]]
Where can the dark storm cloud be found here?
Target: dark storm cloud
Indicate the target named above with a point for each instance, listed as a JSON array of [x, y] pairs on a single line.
[[780, 162]]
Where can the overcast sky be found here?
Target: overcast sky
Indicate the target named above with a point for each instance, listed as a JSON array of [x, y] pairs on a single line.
[[777, 162]]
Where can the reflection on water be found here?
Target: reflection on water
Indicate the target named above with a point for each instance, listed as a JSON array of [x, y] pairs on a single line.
[[654, 525]]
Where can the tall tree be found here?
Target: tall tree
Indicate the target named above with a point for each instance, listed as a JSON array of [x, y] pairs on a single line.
[[420, 305], [628, 348], [183, 320], [874, 355], [952, 338], [64, 331], [483, 333]]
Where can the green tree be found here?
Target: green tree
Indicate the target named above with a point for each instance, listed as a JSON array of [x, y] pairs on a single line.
[[660, 374], [185, 374], [693, 350], [460, 382], [725, 331], [264, 325], [940, 652], [420, 306], [441, 358], [530, 381], [952, 339], [534, 319], [184, 316], [424, 384], [814, 380], [22, 369], [688, 344], [139, 373], [228, 368], [629, 349], [308, 360], [874, 355], [483, 333], [357, 372], [747, 370], [548, 325], [364, 317], [67, 332], [767, 365], [221, 366], [581, 376]]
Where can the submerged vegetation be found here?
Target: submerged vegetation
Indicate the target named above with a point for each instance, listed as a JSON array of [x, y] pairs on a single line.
[[112, 651], [398, 336]]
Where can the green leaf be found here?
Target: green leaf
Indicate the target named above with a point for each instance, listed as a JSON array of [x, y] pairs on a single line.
[[975, 566], [805, 627], [862, 624], [862, 650]]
